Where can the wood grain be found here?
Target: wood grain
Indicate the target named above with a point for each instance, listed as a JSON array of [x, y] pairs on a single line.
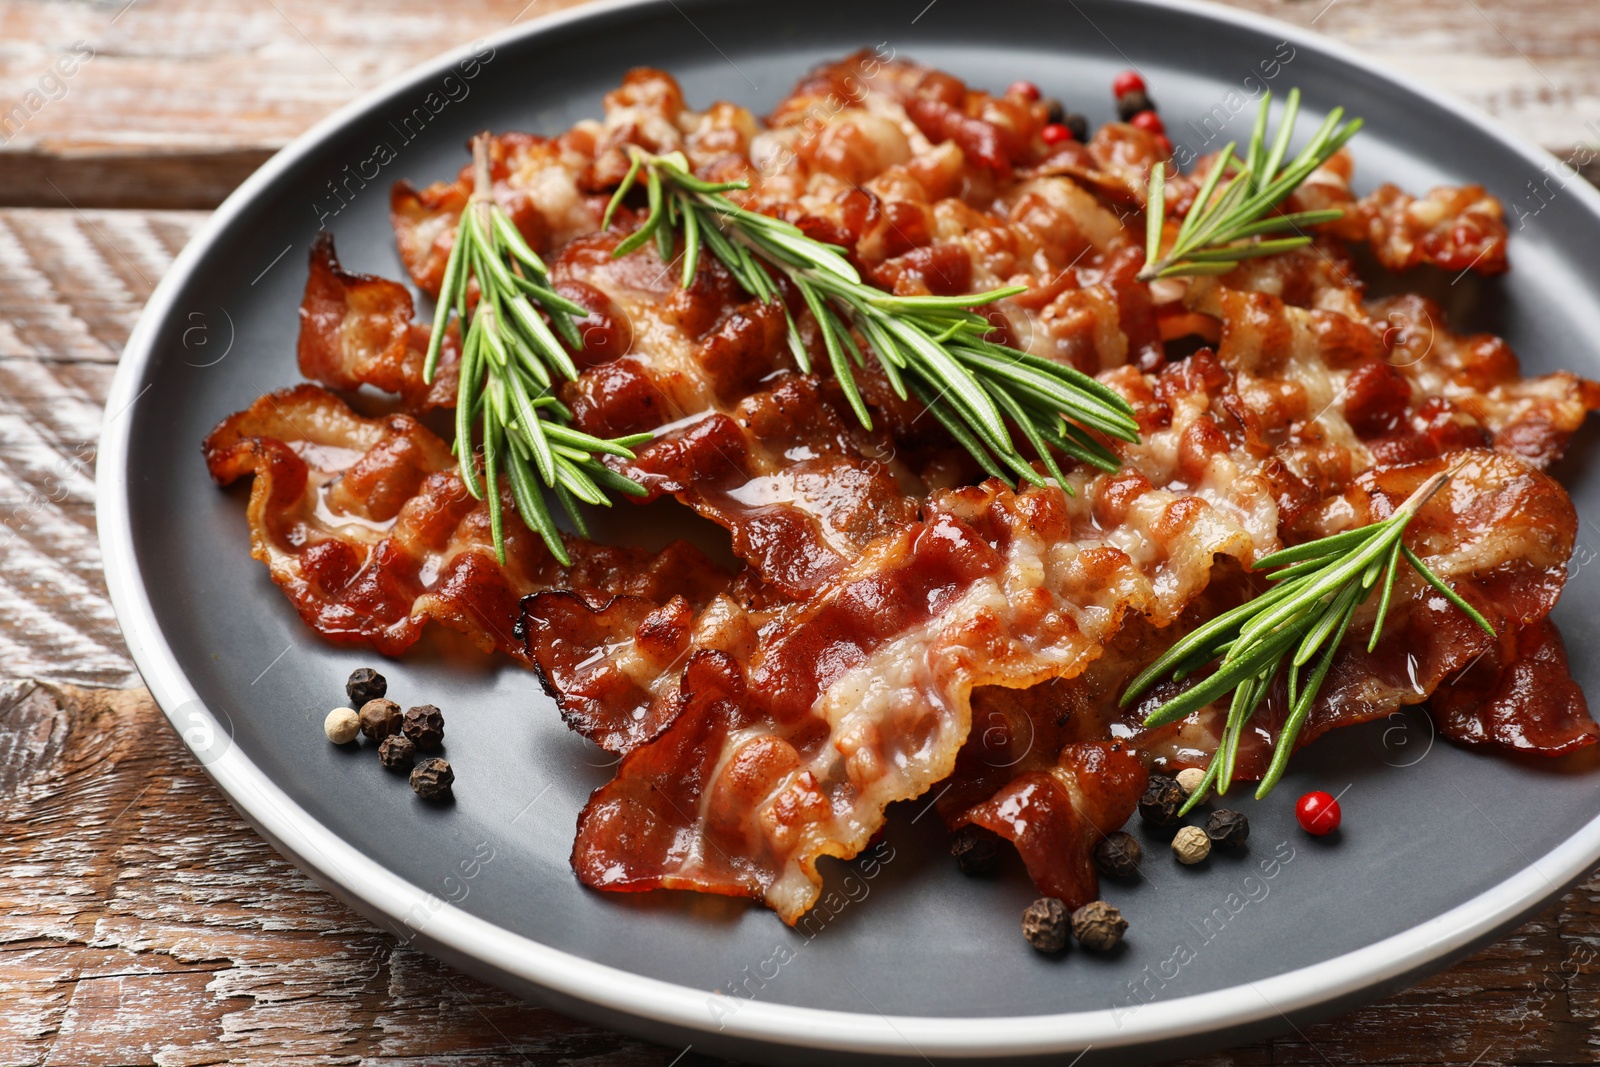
[[141, 921], [71, 285], [178, 100]]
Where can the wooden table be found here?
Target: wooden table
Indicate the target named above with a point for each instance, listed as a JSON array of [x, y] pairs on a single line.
[[140, 920]]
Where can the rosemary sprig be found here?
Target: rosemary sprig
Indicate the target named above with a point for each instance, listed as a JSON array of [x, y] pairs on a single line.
[[933, 346], [1321, 584], [1222, 228], [510, 358]]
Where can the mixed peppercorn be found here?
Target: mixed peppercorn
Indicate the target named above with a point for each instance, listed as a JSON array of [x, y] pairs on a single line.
[[1133, 102], [1228, 828], [397, 753], [380, 718], [399, 736], [1045, 924], [1191, 845], [432, 778], [1162, 805], [1162, 800], [1098, 926], [1049, 926]]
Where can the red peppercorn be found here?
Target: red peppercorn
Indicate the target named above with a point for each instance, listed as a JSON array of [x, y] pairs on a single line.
[[1317, 813], [1149, 122], [1024, 89], [1056, 133], [1164, 144], [1127, 82]]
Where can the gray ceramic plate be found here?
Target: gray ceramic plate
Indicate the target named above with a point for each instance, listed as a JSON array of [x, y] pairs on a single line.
[[1442, 849]]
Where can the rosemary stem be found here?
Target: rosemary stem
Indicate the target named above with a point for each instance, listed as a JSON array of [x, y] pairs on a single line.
[[1304, 618], [511, 359], [933, 346], [1225, 220]]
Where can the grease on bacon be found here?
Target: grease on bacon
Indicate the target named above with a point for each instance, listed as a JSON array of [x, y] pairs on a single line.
[[894, 626]]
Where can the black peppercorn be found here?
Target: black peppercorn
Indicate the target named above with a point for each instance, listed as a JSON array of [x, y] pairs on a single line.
[[1098, 926], [380, 718], [1118, 855], [432, 778], [976, 849], [1161, 801], [1130, 104], [1053, 111], [365, 684], [1045, 924], [425, 726], [1228, 828], [397, 753], [1078, 124]]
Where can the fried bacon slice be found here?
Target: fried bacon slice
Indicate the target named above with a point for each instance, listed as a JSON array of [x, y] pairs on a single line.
[[928, 106], [895, 627], [1055, 817], [774, 457], [1518, 695], [356, 329], [833, 706], [536, 182], [1456, 228], [367, 527]]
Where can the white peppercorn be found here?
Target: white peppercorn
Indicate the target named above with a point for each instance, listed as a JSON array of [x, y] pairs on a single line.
[[342, 725], [1190, 778], [1191, 845]]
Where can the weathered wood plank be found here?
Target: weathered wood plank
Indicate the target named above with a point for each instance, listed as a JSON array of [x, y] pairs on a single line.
[[1529, 63], [141, 921], [170, 103], [71, 286]]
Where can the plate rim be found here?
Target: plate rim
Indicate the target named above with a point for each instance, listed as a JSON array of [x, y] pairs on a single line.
[[350, 873]]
